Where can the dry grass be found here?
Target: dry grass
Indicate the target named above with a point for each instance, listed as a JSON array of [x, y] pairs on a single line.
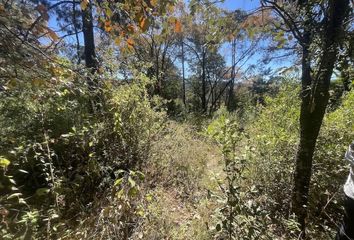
[[181, 170]]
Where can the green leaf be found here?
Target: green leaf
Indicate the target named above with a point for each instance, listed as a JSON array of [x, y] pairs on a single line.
[[118, 181], [131, 181], [42, 191], [120, 171], [14, 195], [120, 193], [140, 175], [22, 201], [11, 180], [133, 192], [148, 197], [4, 162]]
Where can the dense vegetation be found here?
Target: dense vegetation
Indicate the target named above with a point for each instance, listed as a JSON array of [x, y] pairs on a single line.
[[158, 119]]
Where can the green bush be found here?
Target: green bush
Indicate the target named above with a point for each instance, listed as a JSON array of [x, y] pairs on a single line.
[[330, 169], [269, 145], [136, 122], [272, 141], [240, 216], [62, 154]]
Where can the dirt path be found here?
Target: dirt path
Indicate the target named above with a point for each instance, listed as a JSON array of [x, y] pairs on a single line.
[[182, 209]]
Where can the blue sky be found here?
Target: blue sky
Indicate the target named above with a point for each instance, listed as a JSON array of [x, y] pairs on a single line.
[[247, 5]]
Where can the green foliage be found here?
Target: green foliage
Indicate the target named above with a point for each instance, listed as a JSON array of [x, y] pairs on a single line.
[[273, 139], [268, 144], [240, 216], [330, 169], [102, 162], [61, 154], [114, 216], [4, 162], [135, 121]]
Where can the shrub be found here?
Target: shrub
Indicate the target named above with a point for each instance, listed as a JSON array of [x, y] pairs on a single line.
[[330, 169], [62, 155], [240, 216], [268, 145]]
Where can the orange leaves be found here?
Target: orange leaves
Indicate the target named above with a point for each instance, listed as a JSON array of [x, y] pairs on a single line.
[[84, 4], [43, 11], [140, 14], [107, 26], [153, 3], [257, 20], [230, 37], [52, 35], [41, 8], [144, 23], [127, 46], [130, 43], [43, 30], [131, 28], [178, 26], [117, 41]]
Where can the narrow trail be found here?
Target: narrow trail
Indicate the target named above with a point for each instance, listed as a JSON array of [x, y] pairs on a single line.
[[191, 162]]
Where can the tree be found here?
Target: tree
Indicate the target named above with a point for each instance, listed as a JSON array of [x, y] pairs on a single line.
[[203, 41], [183, 15], [22, 56], [318, 28], [118, 19], [153, 51], [346, 62]]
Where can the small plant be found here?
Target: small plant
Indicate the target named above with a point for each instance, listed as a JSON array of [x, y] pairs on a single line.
[[239, 216], [16, 217]]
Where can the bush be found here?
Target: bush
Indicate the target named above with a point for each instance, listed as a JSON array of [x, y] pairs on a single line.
[[135, 122], [330, 169], [240, 216], [63, 156], [273, 140], [268, 144]]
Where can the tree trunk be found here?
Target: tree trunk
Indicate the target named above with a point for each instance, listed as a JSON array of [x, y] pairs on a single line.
[[157, 90], [204, 103], [89, 41], [230, 101], [91, 62], [183, 75], [315, 97]]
